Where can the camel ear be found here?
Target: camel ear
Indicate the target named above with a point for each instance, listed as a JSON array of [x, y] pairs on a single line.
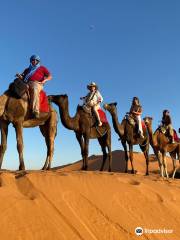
[[115, 103]]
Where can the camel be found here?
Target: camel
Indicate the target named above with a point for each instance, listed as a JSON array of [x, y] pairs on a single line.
[[126, 133], [161, 146], [17, 111], [84, 129]]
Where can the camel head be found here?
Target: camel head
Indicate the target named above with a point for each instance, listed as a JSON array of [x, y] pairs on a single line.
[[111, 107], [58, 99], [148, 121]]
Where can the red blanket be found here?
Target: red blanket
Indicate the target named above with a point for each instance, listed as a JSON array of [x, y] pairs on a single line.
[[176, 139], [102, 116], [143, 125], [44, 105]]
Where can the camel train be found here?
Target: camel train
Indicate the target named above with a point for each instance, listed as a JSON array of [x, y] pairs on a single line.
[[158, 140], [16, 110]]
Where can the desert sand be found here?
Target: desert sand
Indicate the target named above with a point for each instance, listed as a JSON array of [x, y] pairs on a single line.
[[66, 203]]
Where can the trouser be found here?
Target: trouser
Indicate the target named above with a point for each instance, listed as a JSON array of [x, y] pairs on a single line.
[[171, 130], [95, 109], [138, 118], [35, 89]]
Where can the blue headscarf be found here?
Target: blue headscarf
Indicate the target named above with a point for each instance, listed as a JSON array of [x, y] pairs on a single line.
[[31, 71]]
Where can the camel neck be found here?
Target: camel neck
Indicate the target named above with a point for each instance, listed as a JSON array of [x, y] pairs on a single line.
[[151, 139], [70, 123], [115, 122]]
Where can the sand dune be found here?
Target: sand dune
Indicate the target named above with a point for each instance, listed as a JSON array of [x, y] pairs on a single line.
[[70, 204], [118, 163]]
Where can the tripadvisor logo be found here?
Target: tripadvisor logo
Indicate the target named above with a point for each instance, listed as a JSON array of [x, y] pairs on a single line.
[[139, 231]]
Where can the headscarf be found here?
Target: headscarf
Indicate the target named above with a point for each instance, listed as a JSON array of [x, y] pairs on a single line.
[[31, 70]]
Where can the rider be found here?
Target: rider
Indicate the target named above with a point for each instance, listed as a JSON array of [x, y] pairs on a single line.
[[93, 100], [35, 75], [136, 111], [167, 123]]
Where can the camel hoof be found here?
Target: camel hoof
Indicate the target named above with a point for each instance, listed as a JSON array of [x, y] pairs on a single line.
[[147, 174], [21, 168], [48, 168], [132, 171]]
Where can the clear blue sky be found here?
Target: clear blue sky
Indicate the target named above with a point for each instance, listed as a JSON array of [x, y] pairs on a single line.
[[130, 48]]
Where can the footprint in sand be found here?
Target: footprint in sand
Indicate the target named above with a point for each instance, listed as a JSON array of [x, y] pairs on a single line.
[[26, 187], [134, 182]]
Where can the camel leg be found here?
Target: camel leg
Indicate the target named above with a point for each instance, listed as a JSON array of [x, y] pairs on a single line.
[[173, 157], [42, 129], [3, 146], [161, 167], [81, 144], [145, 151], [50, 152], [86, 152], [174, 167], [19, 139], [104, 158], [126, 155], [49, 132], [165, 164], [103, 147], [146, 154], [131, 157], [108, 144], [109, 157]]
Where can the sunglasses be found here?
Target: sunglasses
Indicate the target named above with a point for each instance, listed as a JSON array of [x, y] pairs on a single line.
[[33, 60]]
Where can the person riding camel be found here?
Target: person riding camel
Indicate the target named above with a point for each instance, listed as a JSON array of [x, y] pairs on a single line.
[[167, 123], [136, 111], [93, 100], [36, 76]]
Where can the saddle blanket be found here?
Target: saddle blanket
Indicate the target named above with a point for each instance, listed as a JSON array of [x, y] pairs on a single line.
[[43, 102], [102, 116], [143, 125], [176, 138]]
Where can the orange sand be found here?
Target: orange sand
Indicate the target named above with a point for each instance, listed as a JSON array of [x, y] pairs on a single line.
[[66, 204]]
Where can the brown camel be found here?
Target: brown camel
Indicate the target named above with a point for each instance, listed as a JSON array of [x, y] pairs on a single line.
[[126, 132], [85, 129], [160, 144], [17, 111]]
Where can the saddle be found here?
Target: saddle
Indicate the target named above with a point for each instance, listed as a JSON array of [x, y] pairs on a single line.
[[101, 113], [164, 130], [18, 88], [132, 121]]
